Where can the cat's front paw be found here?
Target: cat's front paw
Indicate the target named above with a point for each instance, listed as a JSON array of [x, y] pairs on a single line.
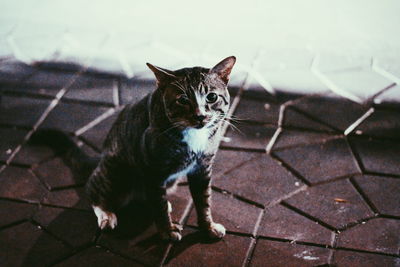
[[172, 234], [215, 231]]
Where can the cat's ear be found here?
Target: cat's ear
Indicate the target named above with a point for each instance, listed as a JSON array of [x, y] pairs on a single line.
[[224, 68], [162, 75]]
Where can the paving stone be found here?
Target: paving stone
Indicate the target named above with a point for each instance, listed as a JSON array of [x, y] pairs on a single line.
[[235, 215], [319, 202], [295, 119], [70, 198], [11, 138], [19, 183], [21, 111], [378, 156], [363, 83], [225, 160], [314, 161], [12, 72], [261, 180], [54, 173], [351, 258], [51, 80], [133, 90], [337, 112], [251, 136], [93, 89], [193, 248], [274, 253], [281, 222], [382, 123], [390, 97], [32, 154], [97, 257], [27, 245], [383, 192], [180, 200], [12, 212], [258, 107], [385, 237], [292, 138], [75, 227], [70, 117], [97, 134]]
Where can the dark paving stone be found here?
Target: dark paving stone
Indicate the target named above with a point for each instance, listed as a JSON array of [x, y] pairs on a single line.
[[54, 173], [51, 80], [378, 156], [11, 138], [21, 111], [11, 212], [261, 180], [13, 72], [132, 91], [383, 192], [193, 250], [281, 222], [314, 161], [351, 258], [389, 98], [271, 253], [337, 112], [251, 136], [382, 123], [70, 198], [70, 117], [384, 238], [75, 227], [180, 200], [19, 183], [235, 215], [319, 202], [27, 245], [97, 257], [93, 89], [226, 160], [295, 119], [257, 107], [98, 133], [292, 138], [30, 154]]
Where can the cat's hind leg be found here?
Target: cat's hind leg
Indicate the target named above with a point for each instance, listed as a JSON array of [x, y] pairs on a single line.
[[105, 219]]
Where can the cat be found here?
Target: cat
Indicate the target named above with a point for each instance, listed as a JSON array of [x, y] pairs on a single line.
[[171, 133]]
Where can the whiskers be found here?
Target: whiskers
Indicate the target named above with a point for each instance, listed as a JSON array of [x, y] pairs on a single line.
[[230, 120]]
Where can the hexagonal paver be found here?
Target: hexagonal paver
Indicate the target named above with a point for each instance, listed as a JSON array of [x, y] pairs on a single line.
[[51, 80], [76, 227], [27, 244], [231, 251], [385, 237], [283, 253], [32, 154], [97, 257], [226, 160], [261, 180], [292, 138], [382, 123], [389, 98], [383, 192], [19, 183], [314, 161], [70, 198], [336, 203], [352, 258], [281, 222], [12, 72], [335, 111], [21, 111], [70, 117], [250, 136], [378, 156], [11, 138], [235, 215], [295, 119], [12, 212]]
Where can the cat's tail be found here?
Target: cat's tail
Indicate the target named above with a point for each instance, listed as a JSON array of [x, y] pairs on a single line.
[[66, 148]]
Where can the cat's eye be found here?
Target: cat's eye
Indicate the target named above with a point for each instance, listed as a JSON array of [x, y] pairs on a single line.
[[211, 98], [182, 100]]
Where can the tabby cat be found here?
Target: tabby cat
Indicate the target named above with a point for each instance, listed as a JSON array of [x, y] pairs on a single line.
[[171, 133]]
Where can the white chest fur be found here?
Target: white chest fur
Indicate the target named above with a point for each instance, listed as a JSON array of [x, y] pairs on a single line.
[[196, 139]]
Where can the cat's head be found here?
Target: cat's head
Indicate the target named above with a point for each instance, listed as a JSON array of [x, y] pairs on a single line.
[[195, 97]]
